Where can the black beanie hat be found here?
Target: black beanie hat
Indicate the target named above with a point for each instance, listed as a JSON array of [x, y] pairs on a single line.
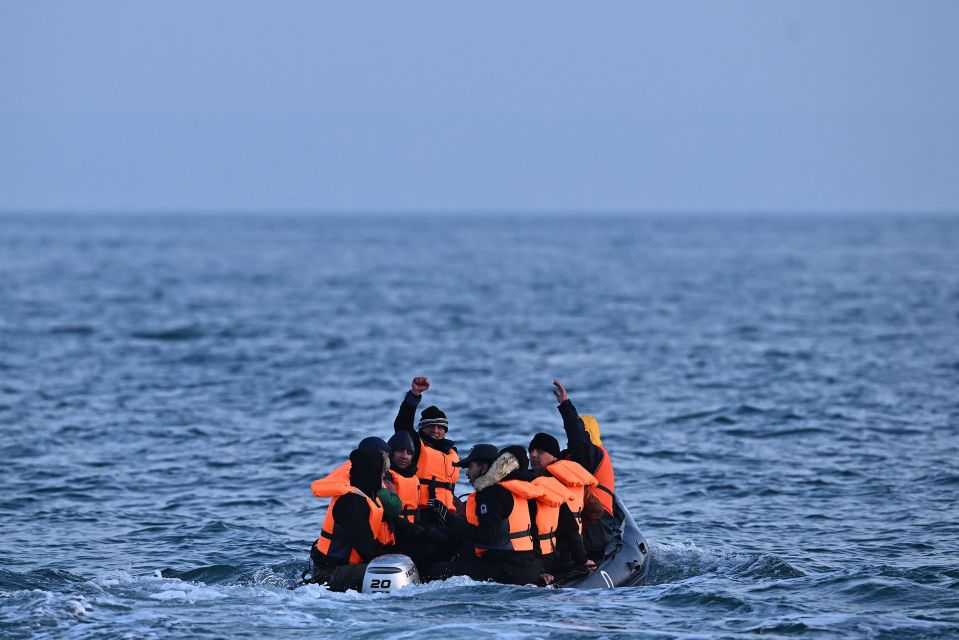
[[401, 440], [545, 442], [433, 416]]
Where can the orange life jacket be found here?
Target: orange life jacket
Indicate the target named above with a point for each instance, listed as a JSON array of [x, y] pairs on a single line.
[[576, 479], [555, 494], [332, 540], [339, 475], [437, 475], [408, 490], [516, 531], [607, 482]]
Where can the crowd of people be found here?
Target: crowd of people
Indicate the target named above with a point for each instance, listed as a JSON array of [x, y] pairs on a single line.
[[537, 513]]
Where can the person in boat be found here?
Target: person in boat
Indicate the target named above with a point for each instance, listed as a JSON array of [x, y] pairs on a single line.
[[562, 548], [498, 523], [423, 542], [399, 496], [434, 457], [585, 447], [353, 528], [403, 481]]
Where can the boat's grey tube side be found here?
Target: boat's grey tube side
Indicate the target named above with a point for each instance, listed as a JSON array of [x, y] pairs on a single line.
[[626, 560]]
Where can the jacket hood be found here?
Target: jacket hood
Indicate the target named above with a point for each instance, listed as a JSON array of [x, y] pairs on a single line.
[[366, 470], [519, 453], [503, 466], [591, 425], [522, 473], [403, 440]]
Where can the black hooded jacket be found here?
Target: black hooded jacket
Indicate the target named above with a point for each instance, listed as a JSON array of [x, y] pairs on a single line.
[[494, 504], [352, 513]]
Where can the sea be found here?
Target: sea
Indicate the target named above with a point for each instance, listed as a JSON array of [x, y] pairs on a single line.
[[779, 395]]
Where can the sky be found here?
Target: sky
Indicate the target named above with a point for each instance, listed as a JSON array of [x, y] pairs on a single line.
[[680, 105]]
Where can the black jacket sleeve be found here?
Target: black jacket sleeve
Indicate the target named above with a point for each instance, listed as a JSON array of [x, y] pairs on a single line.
[[568, 536], [352, 514], [498, 503], [405, 419], [581, 449]]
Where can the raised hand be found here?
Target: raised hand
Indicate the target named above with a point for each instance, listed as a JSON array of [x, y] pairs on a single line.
[[560, 392], [420, 384]]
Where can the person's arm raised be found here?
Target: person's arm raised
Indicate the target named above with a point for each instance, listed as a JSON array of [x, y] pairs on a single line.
[[406, 416]]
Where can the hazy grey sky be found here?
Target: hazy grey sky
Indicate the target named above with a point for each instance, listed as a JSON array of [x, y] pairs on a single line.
[[674, 105]]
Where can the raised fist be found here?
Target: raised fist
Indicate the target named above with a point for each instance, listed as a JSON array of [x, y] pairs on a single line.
[[420, 384]]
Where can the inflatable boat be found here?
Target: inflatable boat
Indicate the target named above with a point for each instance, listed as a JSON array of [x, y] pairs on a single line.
[[625, 563]]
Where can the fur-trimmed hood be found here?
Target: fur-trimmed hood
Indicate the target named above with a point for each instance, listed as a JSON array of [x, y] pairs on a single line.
[[505, 464]]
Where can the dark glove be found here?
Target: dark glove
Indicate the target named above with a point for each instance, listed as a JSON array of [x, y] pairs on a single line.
[[439, 508]]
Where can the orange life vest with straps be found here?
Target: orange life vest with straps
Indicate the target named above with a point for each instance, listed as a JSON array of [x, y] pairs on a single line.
[[408, 490], [606, 479], [576, 479], [516, 531], [332, 541], [437, 475], [555, 494]]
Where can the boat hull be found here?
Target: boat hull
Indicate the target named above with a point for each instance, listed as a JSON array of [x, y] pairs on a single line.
[[626, 559]]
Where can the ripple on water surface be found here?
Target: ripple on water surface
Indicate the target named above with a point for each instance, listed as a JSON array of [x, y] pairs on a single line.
[[777, 394]]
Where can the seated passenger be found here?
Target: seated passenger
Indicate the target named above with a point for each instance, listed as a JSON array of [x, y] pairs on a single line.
[[568, 552], [498, 521], [352, 533], [434, 456], [399, 497], [403, 481]]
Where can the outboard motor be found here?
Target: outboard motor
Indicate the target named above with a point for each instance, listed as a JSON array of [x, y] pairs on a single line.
[[390, 573]]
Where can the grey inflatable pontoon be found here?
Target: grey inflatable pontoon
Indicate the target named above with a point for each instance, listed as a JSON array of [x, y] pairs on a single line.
[[626, 560]]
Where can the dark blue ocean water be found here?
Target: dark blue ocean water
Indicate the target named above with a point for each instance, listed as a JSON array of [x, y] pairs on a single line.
[[780, 396]]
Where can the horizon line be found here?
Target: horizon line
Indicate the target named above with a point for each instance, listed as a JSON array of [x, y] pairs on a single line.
[[457, 212]]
